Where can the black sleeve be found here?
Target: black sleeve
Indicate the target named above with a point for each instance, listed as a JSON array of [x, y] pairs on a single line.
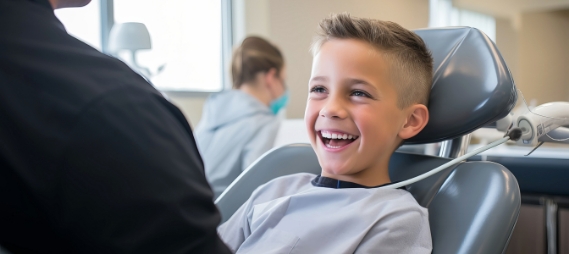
[[132, 180]]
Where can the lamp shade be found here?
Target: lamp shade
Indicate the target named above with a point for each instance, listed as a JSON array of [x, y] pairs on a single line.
[[129, 36]]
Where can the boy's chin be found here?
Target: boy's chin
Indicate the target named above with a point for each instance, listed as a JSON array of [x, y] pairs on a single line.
[[335, 170]]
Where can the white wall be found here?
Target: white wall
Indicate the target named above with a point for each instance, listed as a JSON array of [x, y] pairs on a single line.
[[191, 106], [544, 56], [535, 48]]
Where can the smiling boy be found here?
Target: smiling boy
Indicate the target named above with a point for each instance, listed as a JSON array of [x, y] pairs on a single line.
[[368, 92]]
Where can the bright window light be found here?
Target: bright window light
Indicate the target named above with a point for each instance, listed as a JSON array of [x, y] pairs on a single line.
[[84, 23], [443, 13], [186, 39]]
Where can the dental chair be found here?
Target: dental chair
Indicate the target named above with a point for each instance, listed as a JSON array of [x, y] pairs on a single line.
[[473, 206]]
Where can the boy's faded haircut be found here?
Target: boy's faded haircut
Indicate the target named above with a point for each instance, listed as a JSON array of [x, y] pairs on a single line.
[[410, 59]]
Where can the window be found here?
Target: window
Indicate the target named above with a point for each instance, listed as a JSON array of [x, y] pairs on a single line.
[[186, 38], [442, 13], [83, 23]]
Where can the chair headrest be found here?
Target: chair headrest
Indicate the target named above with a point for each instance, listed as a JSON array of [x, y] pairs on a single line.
[[472, 86]]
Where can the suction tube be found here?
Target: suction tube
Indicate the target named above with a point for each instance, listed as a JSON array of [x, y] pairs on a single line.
[[514, 134]]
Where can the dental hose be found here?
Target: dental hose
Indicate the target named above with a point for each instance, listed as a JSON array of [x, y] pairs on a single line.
[[513, 134]]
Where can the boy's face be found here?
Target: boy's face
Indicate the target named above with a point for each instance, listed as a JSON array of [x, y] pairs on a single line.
[[352, 96]]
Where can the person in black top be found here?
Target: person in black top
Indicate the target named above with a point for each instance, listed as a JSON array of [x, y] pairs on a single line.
[[92, 158]]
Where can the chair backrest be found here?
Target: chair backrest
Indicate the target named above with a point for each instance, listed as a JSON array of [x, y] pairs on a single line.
[[472, 86], [473, 206]]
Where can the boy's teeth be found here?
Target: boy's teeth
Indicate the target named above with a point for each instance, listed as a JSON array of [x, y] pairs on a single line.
[[337, 136], [331, 146]]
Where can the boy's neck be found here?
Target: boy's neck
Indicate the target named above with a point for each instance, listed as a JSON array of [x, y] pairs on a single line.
[[367, 177]]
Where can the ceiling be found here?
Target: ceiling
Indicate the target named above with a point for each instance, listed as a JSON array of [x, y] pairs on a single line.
[[510, 8]]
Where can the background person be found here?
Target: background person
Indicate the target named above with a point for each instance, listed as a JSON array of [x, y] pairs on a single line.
[[239, 125]]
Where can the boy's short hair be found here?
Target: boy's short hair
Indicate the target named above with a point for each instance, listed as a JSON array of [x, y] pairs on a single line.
[[410, 59]]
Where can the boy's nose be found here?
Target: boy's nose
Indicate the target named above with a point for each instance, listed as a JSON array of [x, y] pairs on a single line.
[[334, 109]]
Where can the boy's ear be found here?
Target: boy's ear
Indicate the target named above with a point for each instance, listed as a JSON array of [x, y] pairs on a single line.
[[417, 119]]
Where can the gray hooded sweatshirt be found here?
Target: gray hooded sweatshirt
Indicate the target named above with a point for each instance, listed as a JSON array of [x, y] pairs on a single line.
[[235, 130]]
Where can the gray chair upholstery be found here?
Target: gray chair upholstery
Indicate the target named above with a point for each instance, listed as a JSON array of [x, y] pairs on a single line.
[[286, 160], [472, 86], [473, 206]]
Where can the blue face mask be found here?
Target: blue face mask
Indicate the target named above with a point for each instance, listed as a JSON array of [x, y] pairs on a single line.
[[279, 103]]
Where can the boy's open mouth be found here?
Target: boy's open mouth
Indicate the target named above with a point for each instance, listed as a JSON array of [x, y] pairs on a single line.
[[335, 139]]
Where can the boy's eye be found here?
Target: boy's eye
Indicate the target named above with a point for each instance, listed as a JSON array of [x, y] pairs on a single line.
[[360, 93]]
